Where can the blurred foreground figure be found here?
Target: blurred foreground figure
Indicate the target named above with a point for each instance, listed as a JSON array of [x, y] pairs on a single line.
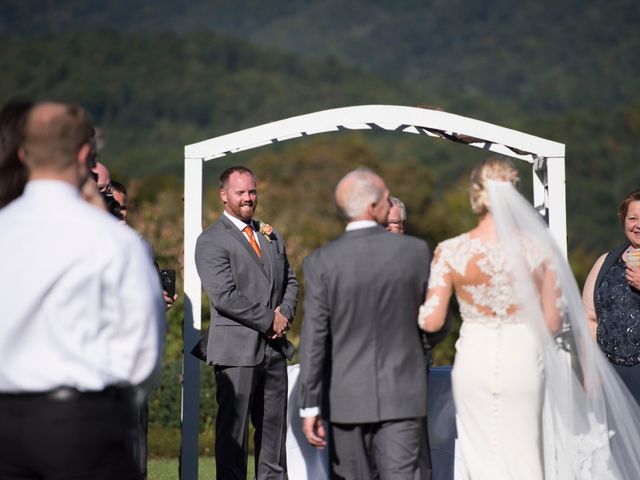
[[81, 330], [360, 344]]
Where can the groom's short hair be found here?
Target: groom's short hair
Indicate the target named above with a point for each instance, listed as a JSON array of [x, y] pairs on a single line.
[[356, 191], [224, 176]]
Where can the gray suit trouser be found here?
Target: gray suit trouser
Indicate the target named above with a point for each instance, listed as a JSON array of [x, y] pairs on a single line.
[[391, 450], [258, 392]]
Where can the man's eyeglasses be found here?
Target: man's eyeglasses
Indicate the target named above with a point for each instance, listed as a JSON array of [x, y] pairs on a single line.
[[394, 224]]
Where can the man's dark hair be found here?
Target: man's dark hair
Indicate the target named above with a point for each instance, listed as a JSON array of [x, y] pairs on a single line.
[[13, 173], [224, 176], [118, 187]]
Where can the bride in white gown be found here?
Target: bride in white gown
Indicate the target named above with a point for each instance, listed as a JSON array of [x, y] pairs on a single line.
[[534, 397]]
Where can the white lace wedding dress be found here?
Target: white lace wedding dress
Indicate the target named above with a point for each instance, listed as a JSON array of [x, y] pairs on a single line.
[[497, 377], [535, 397]]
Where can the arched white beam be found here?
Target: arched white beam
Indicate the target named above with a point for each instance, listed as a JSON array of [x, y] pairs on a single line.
[[382, 117], [546, 157]]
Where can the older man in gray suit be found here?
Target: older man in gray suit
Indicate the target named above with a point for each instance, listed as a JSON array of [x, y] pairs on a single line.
[[361, 344], [253, 294]]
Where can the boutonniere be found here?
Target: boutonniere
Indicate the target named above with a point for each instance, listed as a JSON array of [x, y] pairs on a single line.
[[266, 230]]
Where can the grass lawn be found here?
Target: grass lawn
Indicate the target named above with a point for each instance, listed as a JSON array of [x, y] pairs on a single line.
[[167, 468]]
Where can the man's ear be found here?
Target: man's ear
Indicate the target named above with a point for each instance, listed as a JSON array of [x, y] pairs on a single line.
[[83, 161], [22, 155], [83, 155], [223, 195], [371, 209]]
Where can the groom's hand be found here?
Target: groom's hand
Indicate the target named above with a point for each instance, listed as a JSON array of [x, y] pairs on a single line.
[[280, 324], [313, 429]]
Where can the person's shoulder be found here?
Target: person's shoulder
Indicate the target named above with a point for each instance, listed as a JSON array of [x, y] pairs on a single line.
[[323, 253], [212, 230], [454, 243], [600, 260], [597, 265], [218, 224], [407, 246], [95, 219], [107, 226], [103, 232], [11, 210], [409, 240], [609, 257]]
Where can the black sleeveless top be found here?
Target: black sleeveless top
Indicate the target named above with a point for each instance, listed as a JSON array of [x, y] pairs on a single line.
[[617, 307]]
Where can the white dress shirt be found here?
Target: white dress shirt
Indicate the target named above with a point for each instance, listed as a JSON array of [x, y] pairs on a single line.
[[81, 301], [241, 226], [359, 225], [354, 225]]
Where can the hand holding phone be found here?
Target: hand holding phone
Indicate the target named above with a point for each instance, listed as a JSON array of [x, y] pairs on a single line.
[[168, 280]]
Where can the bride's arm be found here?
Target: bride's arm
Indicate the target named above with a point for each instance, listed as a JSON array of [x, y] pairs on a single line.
[[551, 300], [433, 311]]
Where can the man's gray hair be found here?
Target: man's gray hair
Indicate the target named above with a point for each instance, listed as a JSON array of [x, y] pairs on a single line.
[[398, 203], [364, 189]]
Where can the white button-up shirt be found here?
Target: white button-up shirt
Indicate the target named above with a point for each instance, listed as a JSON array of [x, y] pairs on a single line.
[[240, 225], [80, 300]]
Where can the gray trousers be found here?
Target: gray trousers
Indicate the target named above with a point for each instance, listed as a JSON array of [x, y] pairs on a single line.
[[259, 393], [391, 450]]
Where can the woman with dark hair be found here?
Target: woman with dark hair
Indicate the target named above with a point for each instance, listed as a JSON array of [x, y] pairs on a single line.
[[13, 174], [611, 297]]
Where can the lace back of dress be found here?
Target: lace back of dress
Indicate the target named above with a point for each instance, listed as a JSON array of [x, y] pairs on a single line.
[[484, 288]]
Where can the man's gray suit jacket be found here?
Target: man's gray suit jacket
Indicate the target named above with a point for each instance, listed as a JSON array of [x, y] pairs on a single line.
[[243, 291], [362, 295]]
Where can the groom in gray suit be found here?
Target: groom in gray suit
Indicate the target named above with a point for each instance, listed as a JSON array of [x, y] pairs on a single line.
[[361, 345], [252, 293]]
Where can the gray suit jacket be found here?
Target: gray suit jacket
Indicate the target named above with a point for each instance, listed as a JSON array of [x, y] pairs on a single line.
[[243, 291], [362, 295]]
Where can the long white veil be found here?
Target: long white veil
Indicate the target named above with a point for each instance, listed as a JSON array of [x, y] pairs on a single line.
[[591, 423]]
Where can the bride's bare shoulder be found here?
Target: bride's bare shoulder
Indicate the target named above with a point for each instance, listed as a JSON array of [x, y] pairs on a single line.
[[453, 243]]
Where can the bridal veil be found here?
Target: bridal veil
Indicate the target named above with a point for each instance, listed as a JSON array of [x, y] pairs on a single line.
[[590, 421]]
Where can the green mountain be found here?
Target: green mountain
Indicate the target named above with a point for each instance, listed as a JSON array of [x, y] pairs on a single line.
[[154, 93], [543, 55]]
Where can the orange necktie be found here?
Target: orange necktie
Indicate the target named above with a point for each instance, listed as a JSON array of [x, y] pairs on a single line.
[[252, 240]]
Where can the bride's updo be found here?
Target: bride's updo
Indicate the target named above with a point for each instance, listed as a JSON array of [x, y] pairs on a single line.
[[493, 168]]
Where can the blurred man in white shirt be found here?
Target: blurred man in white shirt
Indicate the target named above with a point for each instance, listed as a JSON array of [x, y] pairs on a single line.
[[83, 315]]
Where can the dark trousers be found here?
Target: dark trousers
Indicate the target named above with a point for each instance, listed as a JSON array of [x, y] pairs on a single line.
[[139, 432], [259, 393], [66, 437], [391, 450]]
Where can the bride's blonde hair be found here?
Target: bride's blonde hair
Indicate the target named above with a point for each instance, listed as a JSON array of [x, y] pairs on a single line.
[[493, 168]]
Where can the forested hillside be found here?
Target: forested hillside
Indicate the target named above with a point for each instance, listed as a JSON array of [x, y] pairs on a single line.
[[543, 55], [154, 93]]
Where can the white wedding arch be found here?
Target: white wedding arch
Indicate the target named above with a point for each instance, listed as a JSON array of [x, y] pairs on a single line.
[[546, 158]]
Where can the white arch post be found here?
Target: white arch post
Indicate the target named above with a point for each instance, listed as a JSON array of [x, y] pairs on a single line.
[[545, 156]]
